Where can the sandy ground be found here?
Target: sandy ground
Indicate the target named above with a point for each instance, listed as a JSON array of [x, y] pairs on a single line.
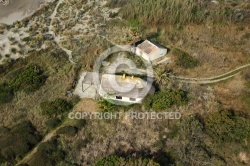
[[17, 10], [87, 105], [86, 88]]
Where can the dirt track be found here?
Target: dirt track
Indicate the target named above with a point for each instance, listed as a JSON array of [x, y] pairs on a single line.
[[211, 80], [17, 10]]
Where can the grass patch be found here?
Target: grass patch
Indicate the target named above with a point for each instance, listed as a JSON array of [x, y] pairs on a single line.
[[185, 60]]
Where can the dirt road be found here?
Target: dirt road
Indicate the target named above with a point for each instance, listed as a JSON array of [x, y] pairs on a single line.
[[211, 80]]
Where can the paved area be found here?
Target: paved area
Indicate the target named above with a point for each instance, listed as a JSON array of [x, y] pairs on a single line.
[[86, 86]]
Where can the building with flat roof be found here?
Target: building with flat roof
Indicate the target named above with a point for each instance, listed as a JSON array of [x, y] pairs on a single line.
[[150, 51], [124, 88]]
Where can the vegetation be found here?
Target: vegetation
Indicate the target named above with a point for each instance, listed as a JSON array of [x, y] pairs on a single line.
[[56, 107], [225, 127], [48, 154], [208, 138], [29, 80], [162, 12], [165, 99], [67, 130], [106, 106], [6, 93], [52, 123], [117, 161], [185, 60], [15, 142]]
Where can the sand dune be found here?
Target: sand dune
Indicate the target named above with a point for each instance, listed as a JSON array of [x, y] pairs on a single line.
[[17, 10]]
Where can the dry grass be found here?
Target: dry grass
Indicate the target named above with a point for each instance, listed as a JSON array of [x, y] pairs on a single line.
[[87, 105]]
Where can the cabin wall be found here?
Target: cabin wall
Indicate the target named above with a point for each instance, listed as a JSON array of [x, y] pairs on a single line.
[[157, 54]]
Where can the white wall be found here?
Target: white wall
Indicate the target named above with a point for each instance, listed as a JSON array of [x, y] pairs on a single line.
[[157, 54], [139, 52]]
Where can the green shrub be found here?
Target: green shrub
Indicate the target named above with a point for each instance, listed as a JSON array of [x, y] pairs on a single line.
[[29, 80], [8, 153], [117, 161], [56, 107], [40, 159], [110, 160], [26, 39], [225, 127], [79, 124], [106, 106], [185, 60], [81, 143], [67, 130], [3, 131], [48, 154], [18, 140], [52, 123], [13, 50], [6, 93], [116, 3], [165, 99]]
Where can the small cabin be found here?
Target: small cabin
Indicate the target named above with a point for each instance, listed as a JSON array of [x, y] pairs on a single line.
[[150, 51]]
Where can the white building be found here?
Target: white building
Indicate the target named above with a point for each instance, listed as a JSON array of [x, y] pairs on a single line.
[[125, 89], [150, 51]]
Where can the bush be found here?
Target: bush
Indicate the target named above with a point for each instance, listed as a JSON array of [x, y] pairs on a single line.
[[6, 93], [106, 106], [52, 123], [79, 124], [117, 161], [185, 60], [48, 154], [165, 99], [29, 80], [116, 3], [67, 130], [81, 143], [18, 140], [225, 127], [56, 107], [40, 159]]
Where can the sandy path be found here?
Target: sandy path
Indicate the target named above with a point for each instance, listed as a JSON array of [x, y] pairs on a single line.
[[17, 10], [214, 77], [211, 80]]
